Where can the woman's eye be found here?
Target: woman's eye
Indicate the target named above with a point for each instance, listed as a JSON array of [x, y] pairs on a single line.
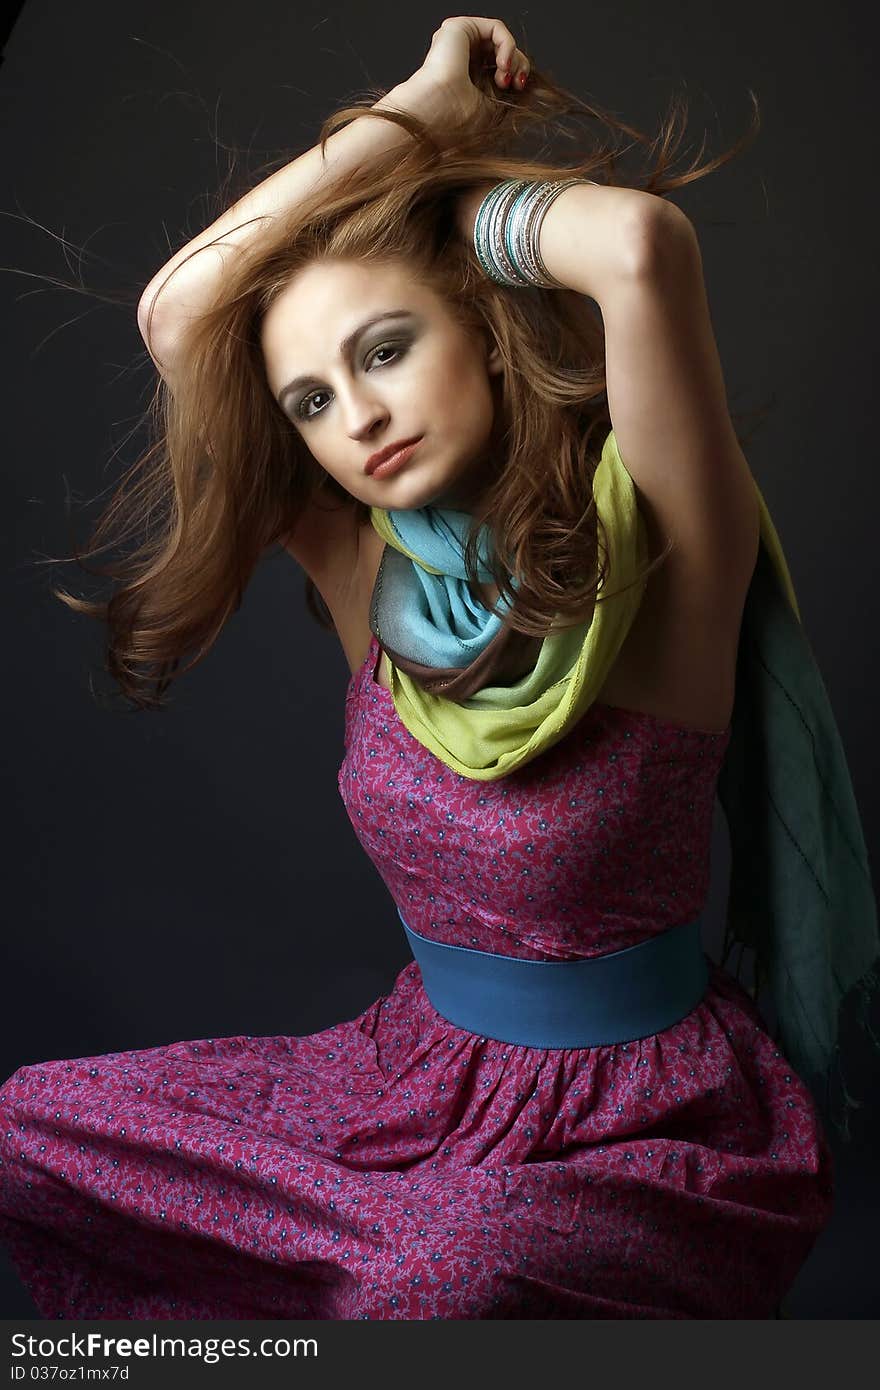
[[386, 347], [301, 411], [303, 414]]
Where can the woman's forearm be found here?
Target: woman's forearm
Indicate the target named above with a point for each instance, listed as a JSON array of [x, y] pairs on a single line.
[[194, 285]]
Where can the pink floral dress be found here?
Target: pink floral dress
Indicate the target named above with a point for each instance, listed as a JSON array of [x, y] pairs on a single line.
[[397, 1166]]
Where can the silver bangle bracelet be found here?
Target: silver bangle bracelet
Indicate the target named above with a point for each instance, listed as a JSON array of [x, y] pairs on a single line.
[[507, 231]]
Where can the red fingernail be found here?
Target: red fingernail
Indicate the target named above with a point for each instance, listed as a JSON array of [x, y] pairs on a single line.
[[522, 79]]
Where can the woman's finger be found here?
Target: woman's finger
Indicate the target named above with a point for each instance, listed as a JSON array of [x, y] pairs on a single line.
[[492, 35], [514, 72], [505, 49], [523, 68]]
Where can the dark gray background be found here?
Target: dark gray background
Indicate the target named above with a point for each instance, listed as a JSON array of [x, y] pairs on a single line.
[[193, 873]]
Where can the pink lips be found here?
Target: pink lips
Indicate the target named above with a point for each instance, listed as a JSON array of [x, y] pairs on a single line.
[[391, 465]]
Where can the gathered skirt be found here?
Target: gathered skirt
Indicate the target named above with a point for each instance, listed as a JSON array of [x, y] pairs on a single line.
[[397, 1166]]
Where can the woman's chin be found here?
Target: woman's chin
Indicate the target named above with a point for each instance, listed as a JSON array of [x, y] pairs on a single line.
[[410, 494], [414, 487]]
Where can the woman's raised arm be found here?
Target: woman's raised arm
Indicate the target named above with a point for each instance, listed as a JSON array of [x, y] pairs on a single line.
[[438, 89], [194, 284]]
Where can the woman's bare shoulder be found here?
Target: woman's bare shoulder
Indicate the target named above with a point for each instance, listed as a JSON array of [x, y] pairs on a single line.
[[342, 557]]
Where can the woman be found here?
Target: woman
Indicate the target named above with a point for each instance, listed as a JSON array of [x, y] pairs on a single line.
[[560, 1109]]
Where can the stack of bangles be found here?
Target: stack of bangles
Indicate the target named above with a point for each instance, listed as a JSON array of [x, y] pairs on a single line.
[[507, 230]]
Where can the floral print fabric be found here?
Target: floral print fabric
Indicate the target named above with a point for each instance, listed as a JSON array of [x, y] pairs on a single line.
[[396, 1166]]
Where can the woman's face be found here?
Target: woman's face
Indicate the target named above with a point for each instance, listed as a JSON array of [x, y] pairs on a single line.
[[414, 372]]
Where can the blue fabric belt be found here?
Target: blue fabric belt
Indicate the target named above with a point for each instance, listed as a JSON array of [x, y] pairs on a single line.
[[570, 1003]]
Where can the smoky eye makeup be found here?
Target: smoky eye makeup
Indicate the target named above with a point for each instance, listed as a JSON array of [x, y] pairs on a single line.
[[288, 397], [384, 352]]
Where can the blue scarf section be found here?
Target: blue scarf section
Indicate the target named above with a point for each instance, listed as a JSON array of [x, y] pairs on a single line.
[[436, 621]]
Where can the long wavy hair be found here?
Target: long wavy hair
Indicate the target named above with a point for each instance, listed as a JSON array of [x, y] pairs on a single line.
[[227, 475]]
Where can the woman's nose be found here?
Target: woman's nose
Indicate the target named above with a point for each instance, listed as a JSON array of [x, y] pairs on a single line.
[[362, 411]]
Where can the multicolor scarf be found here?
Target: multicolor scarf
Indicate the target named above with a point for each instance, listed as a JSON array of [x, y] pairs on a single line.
[[800, 889]]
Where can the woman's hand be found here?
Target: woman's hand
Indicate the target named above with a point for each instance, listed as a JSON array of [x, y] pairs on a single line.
[[443, 90], [463, 45]]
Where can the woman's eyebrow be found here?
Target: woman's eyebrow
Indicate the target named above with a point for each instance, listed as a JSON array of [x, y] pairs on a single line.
[[346, 348]]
